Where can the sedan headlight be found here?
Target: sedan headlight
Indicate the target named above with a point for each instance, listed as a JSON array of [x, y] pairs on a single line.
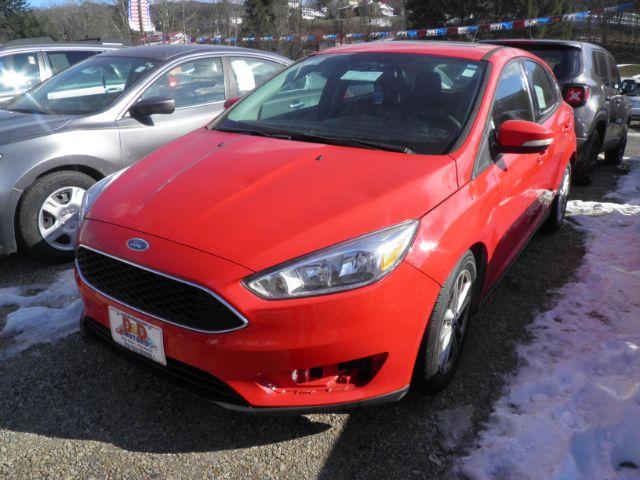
[[345, 266], [91, 195]]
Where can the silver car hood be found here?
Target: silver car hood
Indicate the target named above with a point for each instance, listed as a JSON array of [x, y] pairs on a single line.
[[15, 126]]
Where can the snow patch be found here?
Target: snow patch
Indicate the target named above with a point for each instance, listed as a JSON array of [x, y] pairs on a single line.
[[573, 410], [453, 424], [45, 313]]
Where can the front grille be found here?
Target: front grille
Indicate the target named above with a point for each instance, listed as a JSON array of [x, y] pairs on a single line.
[[176, 372], [166, 298]]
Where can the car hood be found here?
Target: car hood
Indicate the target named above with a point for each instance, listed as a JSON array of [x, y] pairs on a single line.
[[260, 201], [16, 126]]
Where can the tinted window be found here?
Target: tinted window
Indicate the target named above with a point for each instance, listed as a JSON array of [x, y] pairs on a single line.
[[19, 72], [511, 101], [601, 67], [614, 75], [564, 62], [61, 60], [394, 99], [196, 82], [542, 88], [248, 73], [85, 88]]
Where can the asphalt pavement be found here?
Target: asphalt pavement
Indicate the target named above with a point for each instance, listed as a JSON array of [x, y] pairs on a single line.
[[71, 410]]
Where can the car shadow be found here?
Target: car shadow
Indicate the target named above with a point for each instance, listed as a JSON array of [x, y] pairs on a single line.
[[76, 390]]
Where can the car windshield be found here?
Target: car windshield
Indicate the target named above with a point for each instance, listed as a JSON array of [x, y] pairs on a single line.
[[400, 102], [85, 88], [565, 62]]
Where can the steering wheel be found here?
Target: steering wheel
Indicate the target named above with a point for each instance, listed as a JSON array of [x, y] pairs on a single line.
[[437, 117]]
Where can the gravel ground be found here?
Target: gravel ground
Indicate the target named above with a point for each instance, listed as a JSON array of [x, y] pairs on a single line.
[[71, 410]]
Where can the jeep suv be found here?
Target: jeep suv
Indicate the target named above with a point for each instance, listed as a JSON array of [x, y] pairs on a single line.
[[591, 84], [25, 63]]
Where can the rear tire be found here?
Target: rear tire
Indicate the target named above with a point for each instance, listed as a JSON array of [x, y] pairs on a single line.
[[615, 155], [33, 215], [585, 166], [559, 205], [442, 342]]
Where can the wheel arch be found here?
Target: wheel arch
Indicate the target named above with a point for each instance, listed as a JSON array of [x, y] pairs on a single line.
[[480, 254]]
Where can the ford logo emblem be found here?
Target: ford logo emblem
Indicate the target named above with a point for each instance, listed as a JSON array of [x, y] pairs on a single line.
[[137, 244]]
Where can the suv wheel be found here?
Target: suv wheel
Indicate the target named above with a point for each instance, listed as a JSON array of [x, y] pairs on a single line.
[[585, 166], [615, 155], [47, 219]]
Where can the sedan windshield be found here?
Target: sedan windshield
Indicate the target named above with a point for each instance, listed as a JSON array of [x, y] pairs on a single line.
[[85, 88], [400, 102]]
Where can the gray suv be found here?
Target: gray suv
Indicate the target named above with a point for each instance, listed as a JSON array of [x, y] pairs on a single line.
[[99, 116], [24, 63], [591, 84]]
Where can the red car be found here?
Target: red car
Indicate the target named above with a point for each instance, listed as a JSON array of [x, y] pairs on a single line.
[[323, 243]]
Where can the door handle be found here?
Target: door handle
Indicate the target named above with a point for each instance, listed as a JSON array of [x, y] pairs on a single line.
[[296, 104]]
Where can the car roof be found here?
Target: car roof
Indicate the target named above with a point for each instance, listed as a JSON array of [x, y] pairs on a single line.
[[168, 52], [471, 51], [60, 46], [516, 42]]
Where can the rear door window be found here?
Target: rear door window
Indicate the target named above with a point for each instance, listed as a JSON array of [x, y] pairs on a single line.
[[248, 73], [602, 69], [544, 92], [19, 72], [60, 60]]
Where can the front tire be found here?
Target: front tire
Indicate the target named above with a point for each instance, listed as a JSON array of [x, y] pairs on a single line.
[[47, 218], [441, 346]]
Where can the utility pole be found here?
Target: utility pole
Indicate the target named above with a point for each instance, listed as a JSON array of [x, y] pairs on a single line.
[[184, 24], [140, 20]]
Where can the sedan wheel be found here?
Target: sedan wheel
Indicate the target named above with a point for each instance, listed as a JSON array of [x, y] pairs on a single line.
[[442, 343], [48, 215], [59, 217]]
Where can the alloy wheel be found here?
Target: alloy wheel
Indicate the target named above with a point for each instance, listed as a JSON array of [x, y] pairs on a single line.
[[58, 219], [455, 321]]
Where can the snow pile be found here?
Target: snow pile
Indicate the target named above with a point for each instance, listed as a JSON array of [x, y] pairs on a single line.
[[45, 313], [573, 410]]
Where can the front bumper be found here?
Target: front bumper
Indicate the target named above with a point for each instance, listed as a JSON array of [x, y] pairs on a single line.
[[387, 318], [8, 203], [635, 113]]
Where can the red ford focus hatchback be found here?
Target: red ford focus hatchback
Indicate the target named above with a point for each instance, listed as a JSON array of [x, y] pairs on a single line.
[[323, 243]]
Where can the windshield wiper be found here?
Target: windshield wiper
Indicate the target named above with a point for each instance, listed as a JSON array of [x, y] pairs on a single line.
[[255, 132], [311, 137], [350, 142]]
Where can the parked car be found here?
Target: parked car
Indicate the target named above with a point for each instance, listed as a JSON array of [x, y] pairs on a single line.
[[99, 116], [323, 244], [25, 63], [591, 84], [631, 86]]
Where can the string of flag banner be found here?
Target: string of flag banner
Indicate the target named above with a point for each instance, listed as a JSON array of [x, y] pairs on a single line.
[[430, 32]]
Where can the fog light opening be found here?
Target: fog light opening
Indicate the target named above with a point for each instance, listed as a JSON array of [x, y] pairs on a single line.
[[328, 379]]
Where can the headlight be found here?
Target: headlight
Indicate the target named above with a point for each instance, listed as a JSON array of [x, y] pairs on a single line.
[[94, 192], [345, 266]]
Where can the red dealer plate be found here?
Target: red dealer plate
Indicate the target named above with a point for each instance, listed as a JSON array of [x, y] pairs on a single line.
[[136, 335]]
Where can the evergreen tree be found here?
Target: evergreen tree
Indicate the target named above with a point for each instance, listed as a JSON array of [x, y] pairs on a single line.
[[17, 20], [258, 18]]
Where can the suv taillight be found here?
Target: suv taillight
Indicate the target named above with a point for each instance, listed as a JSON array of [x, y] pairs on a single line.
[[576, 95]]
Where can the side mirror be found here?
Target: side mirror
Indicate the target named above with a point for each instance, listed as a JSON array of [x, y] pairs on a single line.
[[521, 136], [153, 106], [629, 86], [231, 102]]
